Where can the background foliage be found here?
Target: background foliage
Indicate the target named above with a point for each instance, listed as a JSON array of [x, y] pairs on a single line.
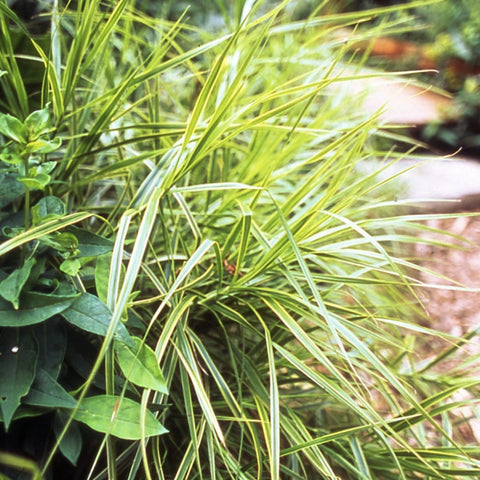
[[445, 41]]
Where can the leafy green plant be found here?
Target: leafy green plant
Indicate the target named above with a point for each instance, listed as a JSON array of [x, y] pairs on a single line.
[[35, 290], [212, 263]]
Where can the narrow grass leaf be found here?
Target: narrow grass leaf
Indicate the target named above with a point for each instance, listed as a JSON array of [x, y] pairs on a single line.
[[184, 272], [187, 358], [274, 411], [42, 230]]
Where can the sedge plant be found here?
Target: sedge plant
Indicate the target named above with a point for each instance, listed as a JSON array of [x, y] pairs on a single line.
[[197, 281]]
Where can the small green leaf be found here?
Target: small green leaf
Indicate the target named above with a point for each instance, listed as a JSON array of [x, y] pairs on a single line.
[[71, 443], [89, 313], [47, 392], [71, 266], [37, 181], [63, 242], [13, 128], [34, 308], [140, 366], [18, 359], [48, 208], [41, 146], [11, 287], [118, 416], [11, 232]]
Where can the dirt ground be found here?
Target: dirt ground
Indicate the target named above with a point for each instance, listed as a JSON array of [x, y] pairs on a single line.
[[453, 311], [456, 312]]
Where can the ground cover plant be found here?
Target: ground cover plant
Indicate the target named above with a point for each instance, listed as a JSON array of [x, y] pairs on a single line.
[[196, 279]]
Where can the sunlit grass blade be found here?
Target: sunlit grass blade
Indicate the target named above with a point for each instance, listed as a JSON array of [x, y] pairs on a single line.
[[42, 230]]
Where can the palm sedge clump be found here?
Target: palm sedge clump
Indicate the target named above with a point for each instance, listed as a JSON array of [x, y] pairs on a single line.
[[195, 279]]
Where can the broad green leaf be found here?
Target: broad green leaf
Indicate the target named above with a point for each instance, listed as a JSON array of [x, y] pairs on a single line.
[[10, 189], [90, 244], [11, 287], [139, 365], [24, 411], [89, 313], [65, 288], [18, 360], [81, 355], [118, 416], [52, 343], [10, 155], [38, 122], [48, 208], [134, 320], [45, 167], [13, 128], [34, 308], [71, 443], [47, 392]]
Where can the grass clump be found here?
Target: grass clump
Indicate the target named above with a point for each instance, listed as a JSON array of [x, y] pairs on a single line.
[[204, 284]]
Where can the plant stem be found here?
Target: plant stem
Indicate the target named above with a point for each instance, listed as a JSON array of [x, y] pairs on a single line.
[[27, 194]]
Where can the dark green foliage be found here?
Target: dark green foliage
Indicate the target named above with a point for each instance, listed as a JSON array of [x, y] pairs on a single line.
[[36, 286], [19, 352]]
